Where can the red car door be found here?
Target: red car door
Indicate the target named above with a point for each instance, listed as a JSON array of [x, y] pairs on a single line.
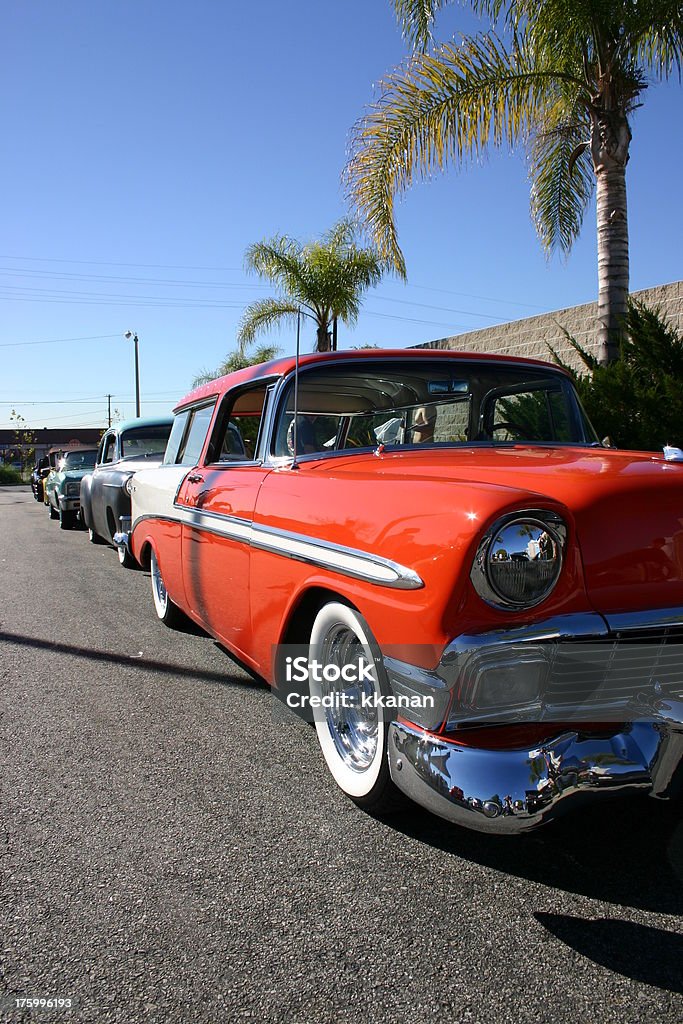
[[218, 498]]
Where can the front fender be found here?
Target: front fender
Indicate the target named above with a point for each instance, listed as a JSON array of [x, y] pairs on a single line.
[[86, 484]]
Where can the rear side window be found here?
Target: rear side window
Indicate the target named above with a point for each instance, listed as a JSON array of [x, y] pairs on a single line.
[[176, 437], [238, 426], [197, 428]]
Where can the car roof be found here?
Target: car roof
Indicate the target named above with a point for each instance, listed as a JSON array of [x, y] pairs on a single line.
[[286, 364], [150, 421]]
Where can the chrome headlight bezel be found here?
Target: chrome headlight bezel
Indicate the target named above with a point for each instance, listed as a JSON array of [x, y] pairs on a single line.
[[482, 575], [128, 485]]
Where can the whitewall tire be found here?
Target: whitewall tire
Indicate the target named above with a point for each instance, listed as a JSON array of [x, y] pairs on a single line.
[[167, 611], [353, 739]]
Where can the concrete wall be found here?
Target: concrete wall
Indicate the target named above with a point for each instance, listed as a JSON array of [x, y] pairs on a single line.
[[531, 336]]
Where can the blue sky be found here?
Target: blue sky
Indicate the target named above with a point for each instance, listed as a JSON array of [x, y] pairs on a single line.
[[147, 144]]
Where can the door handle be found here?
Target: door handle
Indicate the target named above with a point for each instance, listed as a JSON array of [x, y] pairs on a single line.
[[195, 478]]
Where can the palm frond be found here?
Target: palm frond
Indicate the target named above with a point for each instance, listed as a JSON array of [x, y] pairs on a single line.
[[416, 18], [562, 178], [437, 109], [279, 259], [655, 38], [262, 315]]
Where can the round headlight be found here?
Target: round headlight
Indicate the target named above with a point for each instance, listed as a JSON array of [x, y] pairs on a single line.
[[128, 485], [519, 561]]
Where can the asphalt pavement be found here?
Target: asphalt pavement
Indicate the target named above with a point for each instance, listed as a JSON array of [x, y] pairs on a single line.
[[171, 851]]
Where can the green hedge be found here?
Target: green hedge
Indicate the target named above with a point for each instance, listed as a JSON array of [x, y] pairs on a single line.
[[636, 401], [8, 475]]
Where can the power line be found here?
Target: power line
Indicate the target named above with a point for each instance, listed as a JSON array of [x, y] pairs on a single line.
[[55, 341], [62, 276], [239, 270]]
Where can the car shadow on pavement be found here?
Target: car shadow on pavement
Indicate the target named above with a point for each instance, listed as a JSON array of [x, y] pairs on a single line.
[[645, 954], [627, 852], [132, 661]]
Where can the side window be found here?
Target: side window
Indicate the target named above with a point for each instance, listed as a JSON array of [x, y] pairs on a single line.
[[238, 427], [175, 437], [190, 447], [108, 448], [539, 414]]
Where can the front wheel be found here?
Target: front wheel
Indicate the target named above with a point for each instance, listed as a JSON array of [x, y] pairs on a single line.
[[66, 519], [93, 537], [52, 511], [346, 668], [168, 612]]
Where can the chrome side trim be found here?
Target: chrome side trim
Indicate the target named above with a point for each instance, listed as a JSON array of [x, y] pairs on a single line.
[[514, 791], [346, 561], [362, 565]]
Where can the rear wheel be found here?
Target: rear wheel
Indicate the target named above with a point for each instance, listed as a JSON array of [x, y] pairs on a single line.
[[352, 737], [168, 612]]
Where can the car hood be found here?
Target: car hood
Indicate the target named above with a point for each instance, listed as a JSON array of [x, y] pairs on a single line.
[[135, 463], [74, 474], [627, 507]]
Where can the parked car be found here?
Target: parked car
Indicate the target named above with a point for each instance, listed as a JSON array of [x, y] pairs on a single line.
[[488, 600], [105, 492], [63, 485], [38, 474], [42, 468]]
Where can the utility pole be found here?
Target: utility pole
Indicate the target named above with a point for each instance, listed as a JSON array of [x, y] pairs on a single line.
[[133, 336], [109, 410]]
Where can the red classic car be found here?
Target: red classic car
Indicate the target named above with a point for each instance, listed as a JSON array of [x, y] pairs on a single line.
[[480, 604]]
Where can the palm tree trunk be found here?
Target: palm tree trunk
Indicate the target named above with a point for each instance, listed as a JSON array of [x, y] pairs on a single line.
[[610, 140], [322, 343]]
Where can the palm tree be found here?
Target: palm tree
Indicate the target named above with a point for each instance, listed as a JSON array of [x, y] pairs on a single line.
[[323, 280], [237, 361], [563, 78]]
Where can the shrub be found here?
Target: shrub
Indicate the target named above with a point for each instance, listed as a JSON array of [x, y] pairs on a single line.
[[9, 475], [636, 401]]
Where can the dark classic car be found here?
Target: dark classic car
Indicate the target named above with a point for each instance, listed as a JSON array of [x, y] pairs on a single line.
[[105, 493], [480, 604], [42, 468], [38, 474], [63, 485]]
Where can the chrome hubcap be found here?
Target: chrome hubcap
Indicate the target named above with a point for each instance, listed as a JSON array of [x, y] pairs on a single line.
[[354, 729]]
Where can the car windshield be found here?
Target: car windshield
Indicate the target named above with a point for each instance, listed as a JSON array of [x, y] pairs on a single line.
[[141, 441], [432, 402], [78, 460]]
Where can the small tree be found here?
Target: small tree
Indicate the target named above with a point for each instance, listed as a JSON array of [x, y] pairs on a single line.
[[24, 439], [323, 280]]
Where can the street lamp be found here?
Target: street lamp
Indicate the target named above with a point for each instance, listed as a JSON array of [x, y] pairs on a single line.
[[128, 335]]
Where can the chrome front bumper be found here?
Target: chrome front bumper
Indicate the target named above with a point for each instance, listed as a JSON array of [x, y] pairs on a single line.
[[513, 791], [69, 504], [120, 538], [509, 791]]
